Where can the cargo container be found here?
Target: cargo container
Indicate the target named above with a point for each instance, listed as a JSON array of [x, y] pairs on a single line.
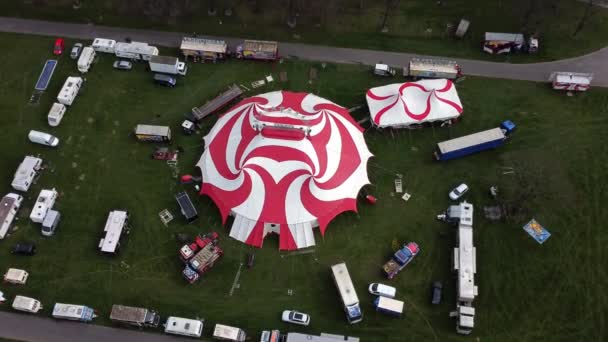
[[472, 143]]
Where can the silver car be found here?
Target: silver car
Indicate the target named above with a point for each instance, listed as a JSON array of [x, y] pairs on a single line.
[[122, 65], [76, 49]]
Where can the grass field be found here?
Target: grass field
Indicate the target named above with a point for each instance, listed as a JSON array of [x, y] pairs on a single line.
[[528, 292], [418, 26]]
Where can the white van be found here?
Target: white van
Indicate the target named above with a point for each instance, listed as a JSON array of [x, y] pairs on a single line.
[[56, 114], [27, 304], [43, 138], [104, 45], [50, 222], [70, 90], [16, 276], [86, 59], [26, 172], [184, 326], [44, 203], [9, 206]]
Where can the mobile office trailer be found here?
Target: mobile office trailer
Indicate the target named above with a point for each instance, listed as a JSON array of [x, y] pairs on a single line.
[[433, 68], [214, 105], [570, 81], [115, 225], [258, 49], [16, 276], [184, 326], [476, 142], [44, 203], [104, 45], [26, 304], [56, 114], [228, 333], [167, 65], [86, 59], [389, 306], [204, 49], [26, 172], [347, 293], [9, 206], [73, 312], [70, 90], [152, 133], [134, 316], [136, 51]]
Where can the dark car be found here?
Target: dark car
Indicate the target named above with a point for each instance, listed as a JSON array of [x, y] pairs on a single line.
[[165, 80], [436, 294], [24, 248]]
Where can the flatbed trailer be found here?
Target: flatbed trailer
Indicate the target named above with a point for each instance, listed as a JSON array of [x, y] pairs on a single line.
[[219, 102]]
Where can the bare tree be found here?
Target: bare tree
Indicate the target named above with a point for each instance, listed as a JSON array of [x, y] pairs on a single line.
[[586, 15], [211, 9], [292, 13], [391, 5]]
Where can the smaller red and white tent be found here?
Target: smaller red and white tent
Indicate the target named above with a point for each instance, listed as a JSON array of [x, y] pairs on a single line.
[[411, 103]]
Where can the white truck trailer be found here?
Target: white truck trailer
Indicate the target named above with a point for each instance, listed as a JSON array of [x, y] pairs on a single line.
[[9, 206], [86, 59], [168, 65], [432, 68], [136, 51]]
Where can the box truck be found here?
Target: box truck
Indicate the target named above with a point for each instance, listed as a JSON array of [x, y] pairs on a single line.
[[73, 312], [476, 142], [167, 65], [152, 133], [134, 316]]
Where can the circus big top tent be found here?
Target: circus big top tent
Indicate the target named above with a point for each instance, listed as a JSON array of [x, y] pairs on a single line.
[[410, 103], [284, 162]]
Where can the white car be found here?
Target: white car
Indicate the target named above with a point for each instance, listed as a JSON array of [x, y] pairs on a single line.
[[2, 299], [378, 289], [291, 316], [459, 191]]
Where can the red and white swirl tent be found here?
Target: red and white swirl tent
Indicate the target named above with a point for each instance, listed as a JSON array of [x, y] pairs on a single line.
[[411, 103], [286, 163]]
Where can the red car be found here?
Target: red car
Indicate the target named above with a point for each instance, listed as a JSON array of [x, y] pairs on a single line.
[[59, 46]]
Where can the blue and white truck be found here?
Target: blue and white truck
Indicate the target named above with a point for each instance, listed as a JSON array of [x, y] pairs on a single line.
[[389, 306], [476, 142], [73, 312]]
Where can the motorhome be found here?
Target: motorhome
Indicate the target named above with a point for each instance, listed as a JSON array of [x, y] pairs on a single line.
[[70, 90], [228, 333], [347, 292], [86, 59], [73, 312], [184, 326], [26, 172], [135, 51], [26, 304], [9, 206], [104, 45], [116, 224], [16, 276], [56, 114], [44, 203]]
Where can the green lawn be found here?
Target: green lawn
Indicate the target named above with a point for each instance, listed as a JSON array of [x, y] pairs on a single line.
[[527, 291], [418, 26]]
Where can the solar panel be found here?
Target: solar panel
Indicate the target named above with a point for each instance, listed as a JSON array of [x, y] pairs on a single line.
[[46, 74], [186, 206]]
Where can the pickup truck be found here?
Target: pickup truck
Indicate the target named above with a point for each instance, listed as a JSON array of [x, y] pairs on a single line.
[[400, 259]]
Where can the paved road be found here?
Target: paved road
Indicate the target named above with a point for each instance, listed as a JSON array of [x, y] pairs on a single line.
[[596, 62], [24, 327]]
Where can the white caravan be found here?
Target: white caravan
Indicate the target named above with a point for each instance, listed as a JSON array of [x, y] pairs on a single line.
[[86, 59], [44, 203], [136, 51], [9, 206], [26, 172], [104, 45], [27, 304], [56, 114], [70, 90], [184, 326], [16, 276]]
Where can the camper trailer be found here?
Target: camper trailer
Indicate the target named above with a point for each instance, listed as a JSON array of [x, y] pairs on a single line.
[[184, 326], [44, 203], [228, 333], [56, 114], [70, 90], [26, 304], [104, 45], [115, 225], [73, 312], [86, 59], [16, 276], [204, 49], [26, 172], [136, 51], [9, 206]]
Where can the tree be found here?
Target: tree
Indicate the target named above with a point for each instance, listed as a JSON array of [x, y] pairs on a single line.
[[391, 5], [292, 13], [586, 15], [211, 10]]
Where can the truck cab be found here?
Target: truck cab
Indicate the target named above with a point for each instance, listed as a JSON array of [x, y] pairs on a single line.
[[507, 127], [465, 321], [384, 70]]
